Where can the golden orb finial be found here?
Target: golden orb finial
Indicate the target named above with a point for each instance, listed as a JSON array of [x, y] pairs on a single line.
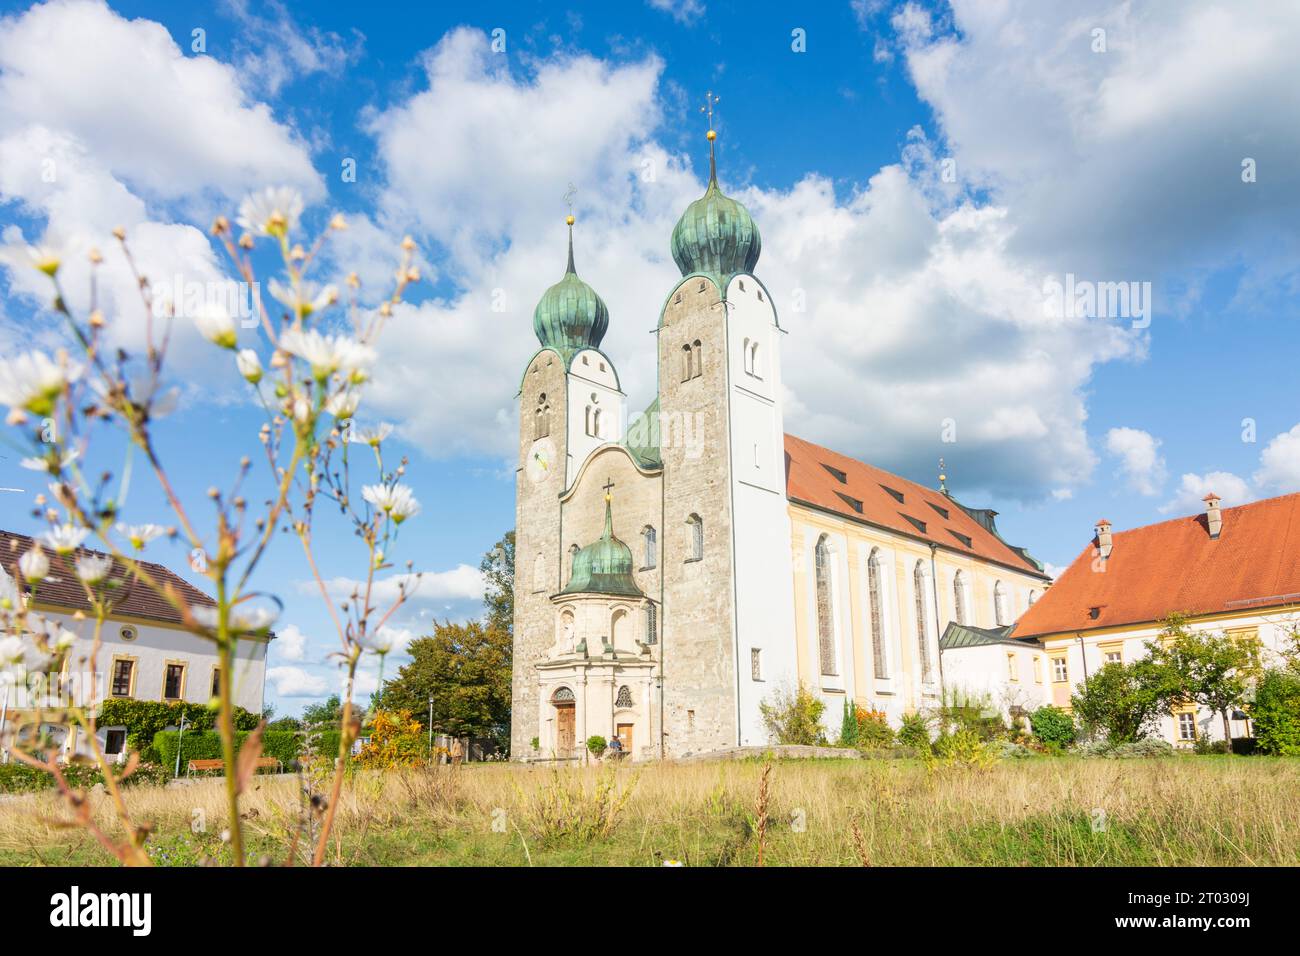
[[568, 220], [712, 135]]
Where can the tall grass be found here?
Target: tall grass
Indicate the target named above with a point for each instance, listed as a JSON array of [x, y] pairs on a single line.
[[1195, 811]]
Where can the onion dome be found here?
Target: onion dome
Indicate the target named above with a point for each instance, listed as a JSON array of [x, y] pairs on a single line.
[[604, 567], [716, 236], [570, 315]]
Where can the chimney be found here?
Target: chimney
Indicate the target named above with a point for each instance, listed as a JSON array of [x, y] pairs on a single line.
[[1103, 538], [1213, 518]]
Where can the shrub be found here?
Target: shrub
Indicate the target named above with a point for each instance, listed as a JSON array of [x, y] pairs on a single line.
[[1276, 713], [283, 745], [874, 732], [849, 725], [915, 732], [794, 718], [965, 748], [1052, 725], [597, 744], [1008, 750], [396, 740], [18, 777], [144, 719], [1126, 749]]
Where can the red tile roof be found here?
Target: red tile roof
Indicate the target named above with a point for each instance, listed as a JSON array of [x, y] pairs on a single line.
[[62, 589], [865, 495], [1176, 567]]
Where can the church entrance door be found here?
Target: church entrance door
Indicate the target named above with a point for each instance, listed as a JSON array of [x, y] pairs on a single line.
[[564, 726], [625, 736]]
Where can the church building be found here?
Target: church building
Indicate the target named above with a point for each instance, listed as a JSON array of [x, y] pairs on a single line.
[[678, 566]]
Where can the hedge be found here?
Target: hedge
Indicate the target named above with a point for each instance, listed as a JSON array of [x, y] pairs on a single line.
[[145, 719], [18, 777], [283, 745]]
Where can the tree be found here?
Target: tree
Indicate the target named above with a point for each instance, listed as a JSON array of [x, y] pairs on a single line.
[[1276, 712], [794, 718], [465, 669], [1210, 668], [328, 711], [1122, 701], [1052, 725], [498, 567]]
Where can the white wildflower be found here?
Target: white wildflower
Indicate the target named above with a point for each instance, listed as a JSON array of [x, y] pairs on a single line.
[[93, 568], [371, 435], [65, 538], [11, 650], [216, 325], [309, 298], [53, 463], [243, 620], [380, 641], [34, 565], [34, 382], [327, 354], [11, 598], [396, 501], [249, 365], [140, 534], [272, 212], [44, 256], [343, 405]]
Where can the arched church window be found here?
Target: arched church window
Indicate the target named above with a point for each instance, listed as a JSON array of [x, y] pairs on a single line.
[[959, 598], [542, 418], [825, 606], [650, 538], [878, 658], [745, 356], [697, 350], [688, 363], [696, 528], [755, 369], [1000, 604], [920, 580], [624, 698], [651, 624], [595, 423], [561, 695]]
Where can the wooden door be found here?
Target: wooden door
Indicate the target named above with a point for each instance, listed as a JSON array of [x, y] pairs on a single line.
[[625, 735], [564, 725]]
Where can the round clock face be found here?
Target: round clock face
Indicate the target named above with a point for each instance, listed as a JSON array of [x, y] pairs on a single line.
[[541, 460]]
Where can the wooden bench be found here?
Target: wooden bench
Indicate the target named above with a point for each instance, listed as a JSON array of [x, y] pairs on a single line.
[[208, 766]]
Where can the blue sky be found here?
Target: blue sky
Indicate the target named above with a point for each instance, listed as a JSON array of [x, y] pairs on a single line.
[[925, 297]]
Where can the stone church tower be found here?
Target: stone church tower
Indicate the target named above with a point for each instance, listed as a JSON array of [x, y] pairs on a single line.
[[672, 652]]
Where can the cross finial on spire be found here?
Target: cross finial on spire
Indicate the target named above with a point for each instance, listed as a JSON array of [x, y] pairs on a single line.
[[609, 488], [710, 101]]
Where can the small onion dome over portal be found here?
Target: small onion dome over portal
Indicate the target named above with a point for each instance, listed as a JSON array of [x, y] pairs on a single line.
[[604, 567]]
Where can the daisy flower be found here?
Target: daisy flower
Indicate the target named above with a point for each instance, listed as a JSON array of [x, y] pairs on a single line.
[[34, 565], [249, 365], [34, 382], [11, 599], [140, 534], [327, 354], [343, 405], [396, 501], [245, 620], [371, 435], [11, 650], [310, 298], [65, 538], [216, 325], [53, 462], [272, 212], [93, 568], [43, 257], [380, 641]]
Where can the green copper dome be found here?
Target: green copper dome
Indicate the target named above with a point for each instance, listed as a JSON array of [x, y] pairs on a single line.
[[604, 567], [716, 236], [570, 315]]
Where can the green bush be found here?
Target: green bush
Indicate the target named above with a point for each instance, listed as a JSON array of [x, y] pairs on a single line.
[[283, 745], [1052, 725], [874, 732], [1276, 713], [18, 777], [794, 718], [915, 732], [597, 744], [1147, 747], [144, 719], [849, 725]]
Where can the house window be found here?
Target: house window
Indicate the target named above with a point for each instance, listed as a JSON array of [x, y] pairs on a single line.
[[696, 528], [959, 598], [755, 663], [174, 682], [651, 624], [1013, 673], [123, 671], [624, 698], [825, 606], [1000, 604], [216, 682], [114, 741], [1113, 654], [1038, 669], [1060, 672], [878, 657], [650, 540], [920, 579], [1187, 725]]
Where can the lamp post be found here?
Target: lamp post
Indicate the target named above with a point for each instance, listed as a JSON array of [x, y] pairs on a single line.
[[180, 742], [430, 726]]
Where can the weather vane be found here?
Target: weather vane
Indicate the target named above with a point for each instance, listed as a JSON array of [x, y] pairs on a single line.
[[943, 477], [710, 101], [568, 201]]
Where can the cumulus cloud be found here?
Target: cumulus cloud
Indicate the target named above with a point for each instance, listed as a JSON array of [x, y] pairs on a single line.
[[683, 11], [1141, 464], [1279, 463], [290, 644], [456, 588], [295, 682], [1233, 489]]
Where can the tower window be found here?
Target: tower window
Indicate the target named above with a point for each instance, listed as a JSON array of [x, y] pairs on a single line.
[[651, 624], [688, 363], [650, 539], [697, 349], [696, 528]]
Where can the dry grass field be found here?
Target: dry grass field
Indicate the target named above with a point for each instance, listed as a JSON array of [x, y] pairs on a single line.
[[1196, 811]]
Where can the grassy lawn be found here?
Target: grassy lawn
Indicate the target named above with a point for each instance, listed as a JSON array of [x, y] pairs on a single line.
[[1198, 811]]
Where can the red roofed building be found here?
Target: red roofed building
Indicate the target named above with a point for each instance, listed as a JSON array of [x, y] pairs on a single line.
[[1226, 569]]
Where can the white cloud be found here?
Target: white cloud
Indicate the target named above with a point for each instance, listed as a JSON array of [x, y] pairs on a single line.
[[295, 682], [275, 50], [1279, 463], [1193, 488], [462, 583], [683, 11], [290, 644], [1141, 464]]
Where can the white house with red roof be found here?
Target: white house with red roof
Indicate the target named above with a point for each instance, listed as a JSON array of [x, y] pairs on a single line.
[[1234, 570]]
